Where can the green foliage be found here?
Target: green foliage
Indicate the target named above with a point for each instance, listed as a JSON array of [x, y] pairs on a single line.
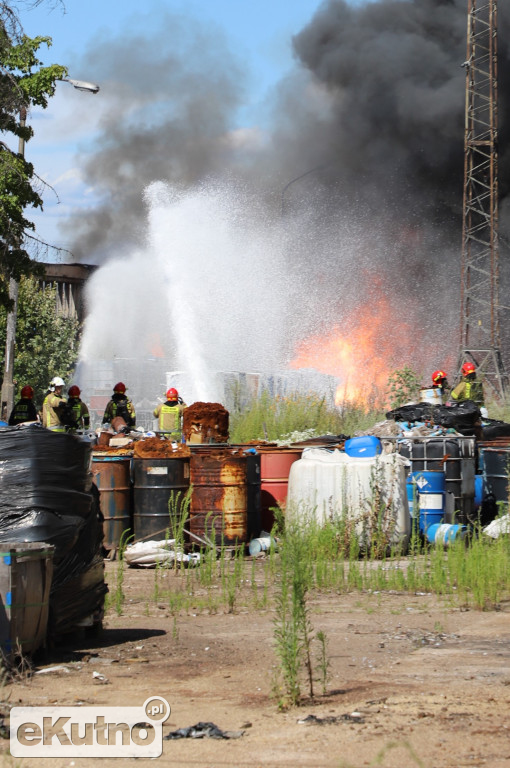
[[275, 418], [46, 343], [403, 386], [24, 82]]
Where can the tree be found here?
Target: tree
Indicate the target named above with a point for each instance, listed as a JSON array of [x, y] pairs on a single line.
[[403, 386], [46, 343], [24, 83]]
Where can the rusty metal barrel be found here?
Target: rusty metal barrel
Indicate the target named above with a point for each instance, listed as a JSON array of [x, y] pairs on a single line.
[[275, 464], [160, 486], [112, 476], [219, 501]]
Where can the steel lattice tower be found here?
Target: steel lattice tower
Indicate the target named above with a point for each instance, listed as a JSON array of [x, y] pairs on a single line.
[[480, 341]]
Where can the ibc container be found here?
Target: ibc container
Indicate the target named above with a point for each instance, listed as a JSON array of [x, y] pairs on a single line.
[[455, 456], [494, 463]]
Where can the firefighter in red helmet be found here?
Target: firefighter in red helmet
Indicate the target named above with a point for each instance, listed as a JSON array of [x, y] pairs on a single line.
[[169, 415], [24, 410], [120, 405], [440, 382], [79, 410], [470, 388]]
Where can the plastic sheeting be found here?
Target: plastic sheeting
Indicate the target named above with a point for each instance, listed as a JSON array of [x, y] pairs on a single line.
[[150, 554], [463, 416], [327, 484], [47, 495]]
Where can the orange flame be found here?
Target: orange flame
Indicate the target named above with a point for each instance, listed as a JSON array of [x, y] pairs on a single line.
[[361, 354], [156, 348]]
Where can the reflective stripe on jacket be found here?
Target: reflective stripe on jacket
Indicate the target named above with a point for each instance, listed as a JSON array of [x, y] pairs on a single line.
[[81, 413], [169, 417], [51, 419], [469, 390]]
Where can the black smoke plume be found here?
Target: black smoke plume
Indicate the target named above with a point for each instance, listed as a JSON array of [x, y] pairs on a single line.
[[365, 145]]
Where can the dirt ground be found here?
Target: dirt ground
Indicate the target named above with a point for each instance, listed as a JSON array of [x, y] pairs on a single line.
[[430, 684]]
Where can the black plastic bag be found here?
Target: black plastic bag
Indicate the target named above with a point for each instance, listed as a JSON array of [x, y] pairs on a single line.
[[46, 495]]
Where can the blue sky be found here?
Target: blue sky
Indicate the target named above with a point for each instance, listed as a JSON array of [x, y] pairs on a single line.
[[258, 33]]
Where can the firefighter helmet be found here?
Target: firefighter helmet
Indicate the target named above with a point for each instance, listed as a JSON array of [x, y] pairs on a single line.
[[57, 382], [468, 368], [120, 387], [172, 394], [438, 377], [27, 392], [74, 391]]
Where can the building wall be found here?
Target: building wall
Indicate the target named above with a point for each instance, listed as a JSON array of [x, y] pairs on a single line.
[[69, 280]]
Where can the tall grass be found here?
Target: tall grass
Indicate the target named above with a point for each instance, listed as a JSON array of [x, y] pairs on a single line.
[[272, 418]]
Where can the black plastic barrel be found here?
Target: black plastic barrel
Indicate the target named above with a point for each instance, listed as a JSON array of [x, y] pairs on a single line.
[[495, 464], [160, 486]]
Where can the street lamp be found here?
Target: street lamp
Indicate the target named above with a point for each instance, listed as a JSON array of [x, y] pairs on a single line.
[[81, 85], [7, 394]]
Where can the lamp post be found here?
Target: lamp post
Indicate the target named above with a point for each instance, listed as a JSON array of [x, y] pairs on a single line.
[[7, 394]]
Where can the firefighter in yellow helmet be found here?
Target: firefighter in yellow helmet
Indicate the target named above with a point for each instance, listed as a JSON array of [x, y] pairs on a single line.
[[169, 415], [469, 388]]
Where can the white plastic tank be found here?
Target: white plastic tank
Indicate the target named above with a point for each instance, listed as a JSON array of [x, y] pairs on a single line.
[[326, 483]]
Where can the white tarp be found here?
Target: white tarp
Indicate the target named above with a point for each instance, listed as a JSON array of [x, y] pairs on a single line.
[[326, 484]]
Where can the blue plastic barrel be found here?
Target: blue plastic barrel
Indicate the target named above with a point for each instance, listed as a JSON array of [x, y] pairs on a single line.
[[478, 490], [430, 485], [444, 533], [412, 496], [364, 446], [430, 481]]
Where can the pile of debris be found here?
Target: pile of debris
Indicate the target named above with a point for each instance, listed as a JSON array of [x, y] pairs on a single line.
[[205, 423], [157, 448]]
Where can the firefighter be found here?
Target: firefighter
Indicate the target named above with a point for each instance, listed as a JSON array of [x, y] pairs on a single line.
[[120, 405], [469, 388], [440, 382], [53, 406], [80, 412], [24, 410], [169, 415]]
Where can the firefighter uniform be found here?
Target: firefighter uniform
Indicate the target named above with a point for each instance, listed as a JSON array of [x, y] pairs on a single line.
[[169, 416]]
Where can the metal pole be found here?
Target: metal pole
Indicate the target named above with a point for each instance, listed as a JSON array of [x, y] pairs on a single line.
[[10, 331]]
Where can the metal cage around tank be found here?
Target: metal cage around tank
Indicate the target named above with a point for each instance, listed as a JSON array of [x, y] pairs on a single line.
[[455, 456]]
